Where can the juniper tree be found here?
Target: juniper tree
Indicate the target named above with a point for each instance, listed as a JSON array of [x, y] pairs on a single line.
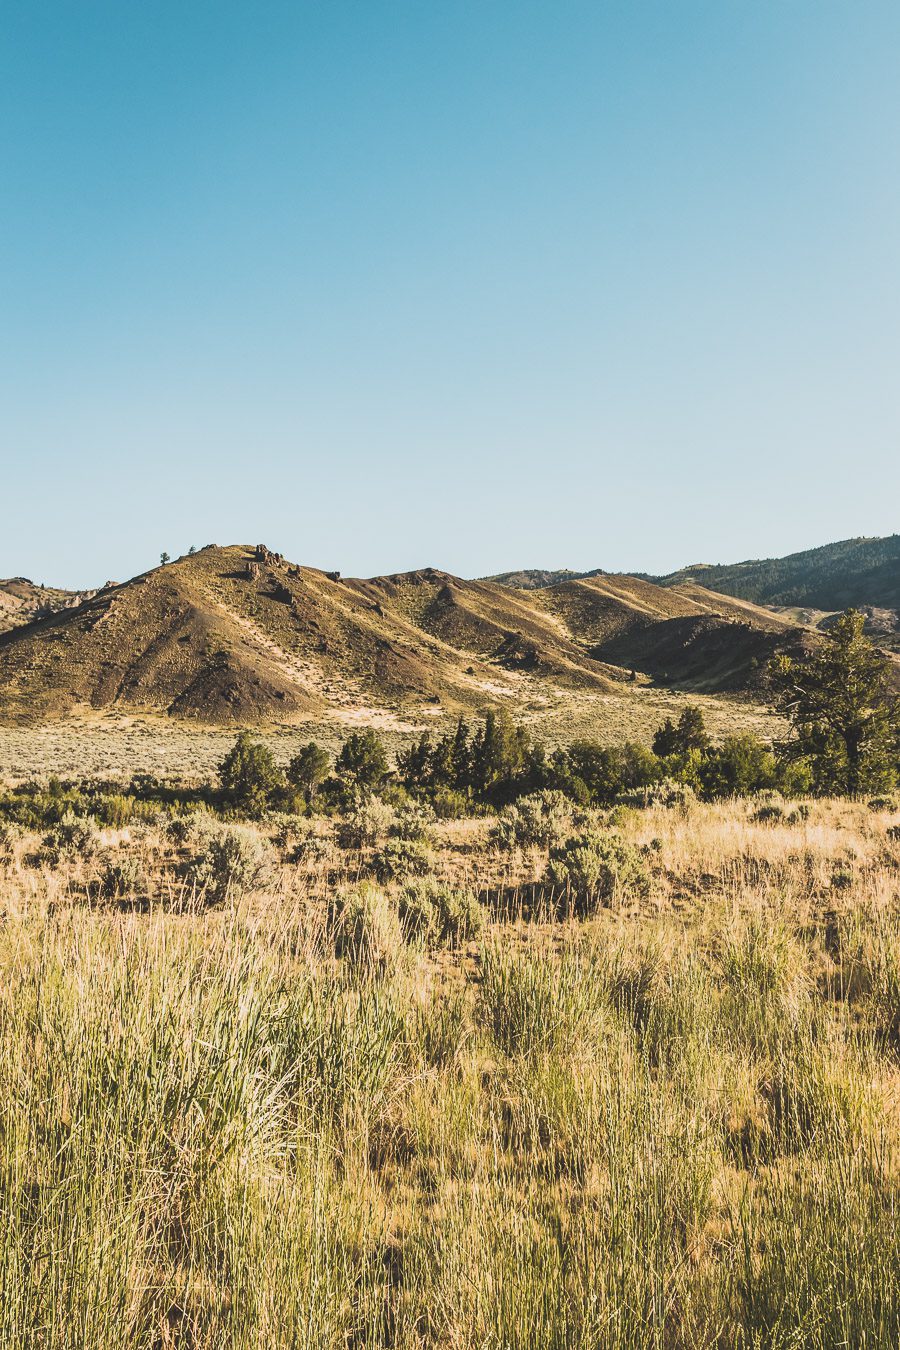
[[499, 751], [308, 770], [249, 775], [683, 736], [363, 760]]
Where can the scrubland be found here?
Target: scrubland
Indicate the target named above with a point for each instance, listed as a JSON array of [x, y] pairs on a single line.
[[115, 743], [277, 1085]]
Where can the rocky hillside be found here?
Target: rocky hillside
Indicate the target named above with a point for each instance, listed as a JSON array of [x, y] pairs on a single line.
[[239, 634], [22, 601]]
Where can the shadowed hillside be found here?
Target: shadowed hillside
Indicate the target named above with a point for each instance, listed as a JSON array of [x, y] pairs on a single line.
[[809, 589], [680, 635], [239, 634]]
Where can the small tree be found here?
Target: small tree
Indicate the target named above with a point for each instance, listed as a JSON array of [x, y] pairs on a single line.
[[308, 770], [363, 760], [843, 714], [499, 751], [740, 765], [683, 736], [250, 777], [164, 558]]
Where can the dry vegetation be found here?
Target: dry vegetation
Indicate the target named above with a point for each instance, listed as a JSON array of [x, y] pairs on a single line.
[[252, 1097], [116, 745]]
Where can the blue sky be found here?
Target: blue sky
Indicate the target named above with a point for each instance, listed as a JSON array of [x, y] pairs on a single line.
[[478, 285]]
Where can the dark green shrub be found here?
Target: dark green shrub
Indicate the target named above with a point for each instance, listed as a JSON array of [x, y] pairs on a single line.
[[401, 858]]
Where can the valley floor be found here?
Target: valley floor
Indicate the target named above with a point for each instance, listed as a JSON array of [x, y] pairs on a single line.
[[673, 1124], [118, 745]]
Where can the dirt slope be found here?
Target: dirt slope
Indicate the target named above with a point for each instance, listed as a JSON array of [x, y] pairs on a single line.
[[238, 635]]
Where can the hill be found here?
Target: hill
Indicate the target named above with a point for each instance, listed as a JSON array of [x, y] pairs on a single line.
[[535, 578], [22, 601], [239, 634], [857, 572], [808, 589], [684, 636]]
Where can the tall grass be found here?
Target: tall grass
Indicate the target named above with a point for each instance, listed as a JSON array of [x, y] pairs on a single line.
[[648, 1131]]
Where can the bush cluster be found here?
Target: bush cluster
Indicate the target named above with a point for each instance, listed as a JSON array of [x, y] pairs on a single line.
[[597, 868], [227, 861]]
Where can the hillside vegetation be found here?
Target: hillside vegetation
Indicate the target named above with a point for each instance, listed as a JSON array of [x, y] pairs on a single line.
[[854, 572]]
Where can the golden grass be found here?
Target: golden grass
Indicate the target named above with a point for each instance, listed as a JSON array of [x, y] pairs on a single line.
[[672, 1125]]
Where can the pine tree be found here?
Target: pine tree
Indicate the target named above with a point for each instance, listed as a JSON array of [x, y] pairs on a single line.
[[843, 712]]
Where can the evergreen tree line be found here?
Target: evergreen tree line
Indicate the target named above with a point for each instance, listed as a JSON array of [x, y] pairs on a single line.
[[839, 701]]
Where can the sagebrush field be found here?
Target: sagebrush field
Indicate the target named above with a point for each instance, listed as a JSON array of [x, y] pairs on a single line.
[[255, 1096]]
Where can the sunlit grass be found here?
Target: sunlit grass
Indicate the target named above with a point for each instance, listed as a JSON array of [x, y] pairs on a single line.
[[669, 1126]]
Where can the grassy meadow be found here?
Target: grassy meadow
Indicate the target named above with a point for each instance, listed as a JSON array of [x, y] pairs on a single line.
[[309, 1108]]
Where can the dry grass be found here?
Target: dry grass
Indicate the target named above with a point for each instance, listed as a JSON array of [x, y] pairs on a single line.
[[673, 1125]]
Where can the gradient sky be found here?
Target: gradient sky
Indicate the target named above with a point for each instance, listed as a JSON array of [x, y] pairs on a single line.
[[388, 283]]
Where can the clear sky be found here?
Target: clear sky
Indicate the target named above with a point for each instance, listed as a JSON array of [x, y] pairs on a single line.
[[472, 283]]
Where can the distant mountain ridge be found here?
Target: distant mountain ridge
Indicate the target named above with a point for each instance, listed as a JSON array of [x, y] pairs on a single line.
[[536, 578], [22, 601], [851, 572]]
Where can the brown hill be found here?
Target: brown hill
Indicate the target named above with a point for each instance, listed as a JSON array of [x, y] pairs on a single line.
[[238, 634], [679, 635]]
